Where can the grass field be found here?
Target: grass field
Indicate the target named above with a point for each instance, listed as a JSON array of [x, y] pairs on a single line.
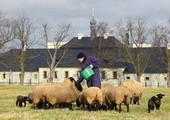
[[8, 110]]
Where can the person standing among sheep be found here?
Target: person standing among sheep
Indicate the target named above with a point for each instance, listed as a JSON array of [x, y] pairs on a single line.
[[93, 63]]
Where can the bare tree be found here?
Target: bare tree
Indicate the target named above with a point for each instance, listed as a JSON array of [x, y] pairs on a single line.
[[25, 35], [162, 38], [57, 37], [102, 31], [134, 32], [7, 29]]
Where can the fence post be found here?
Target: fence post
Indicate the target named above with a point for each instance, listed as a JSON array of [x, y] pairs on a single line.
[[30, 81], [158, 84], [9, 81]]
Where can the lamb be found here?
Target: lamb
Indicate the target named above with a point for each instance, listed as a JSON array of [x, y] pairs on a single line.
[[56, 94], [22, 99], [116, 96], [158, 102], [92, 97], [135, 89], [155, 102], [151, 103]]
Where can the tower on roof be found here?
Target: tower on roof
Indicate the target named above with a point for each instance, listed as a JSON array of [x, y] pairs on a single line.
[[93, 26]]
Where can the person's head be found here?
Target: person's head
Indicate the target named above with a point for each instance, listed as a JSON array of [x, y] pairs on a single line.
[[81, 56]]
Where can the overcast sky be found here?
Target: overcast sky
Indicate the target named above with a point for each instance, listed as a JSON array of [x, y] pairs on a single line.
[[79, 12]]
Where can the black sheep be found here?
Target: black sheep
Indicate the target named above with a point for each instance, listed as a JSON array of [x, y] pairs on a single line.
[[155, 102], [22, 99], [151, 103], [158, 102]]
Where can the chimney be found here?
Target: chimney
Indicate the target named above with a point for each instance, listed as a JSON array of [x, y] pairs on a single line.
[[80, 36], [106, 35]]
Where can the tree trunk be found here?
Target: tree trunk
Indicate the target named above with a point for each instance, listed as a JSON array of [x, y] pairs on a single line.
[[139, 78], [51, 73], [22, 70]]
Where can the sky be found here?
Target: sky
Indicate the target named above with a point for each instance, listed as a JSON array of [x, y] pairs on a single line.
[[79, 12]]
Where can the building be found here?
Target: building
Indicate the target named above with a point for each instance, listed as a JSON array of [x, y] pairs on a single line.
[[106, 48]]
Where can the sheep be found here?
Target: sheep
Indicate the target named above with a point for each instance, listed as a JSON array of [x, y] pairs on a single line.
[[56, 94], [151, 103], [116, 96], [22, 99], [155, 102], [92, 97], [39, 100], [158, 102], [135, 89], [104, 86], [38, 95]]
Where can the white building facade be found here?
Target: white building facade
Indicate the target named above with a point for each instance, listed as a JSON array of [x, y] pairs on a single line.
[[114, 76]]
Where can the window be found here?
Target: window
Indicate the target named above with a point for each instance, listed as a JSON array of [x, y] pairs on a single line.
[[114, 75], [44, 74], [66, 74], [127, 77], [4, 76], [20, 76], [103, 75], [147, 78], [165, 78], [55, 74], [35, 76]]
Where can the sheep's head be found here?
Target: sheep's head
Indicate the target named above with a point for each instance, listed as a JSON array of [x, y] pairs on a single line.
[[160, 95], [29, 100], [135, 100], [78, 86]]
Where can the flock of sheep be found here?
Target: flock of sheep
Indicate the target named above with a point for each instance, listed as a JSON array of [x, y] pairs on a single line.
[[51, 95]]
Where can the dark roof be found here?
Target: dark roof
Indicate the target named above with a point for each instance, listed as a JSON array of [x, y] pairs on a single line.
[[109, 53], [155, 65]]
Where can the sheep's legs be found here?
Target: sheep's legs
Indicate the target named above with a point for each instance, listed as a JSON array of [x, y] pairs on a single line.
[[127, 107], [149, 110], [70, 106], [17, 103], [120, 108], [20, 104], [24, 103]]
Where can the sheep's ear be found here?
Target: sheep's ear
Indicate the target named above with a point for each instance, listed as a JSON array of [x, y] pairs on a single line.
[[71, 79]]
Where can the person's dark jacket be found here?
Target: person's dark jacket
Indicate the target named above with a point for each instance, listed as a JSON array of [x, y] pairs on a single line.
[[95, 81]]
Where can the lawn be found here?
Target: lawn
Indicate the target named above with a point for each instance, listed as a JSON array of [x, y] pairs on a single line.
[[9, 111]]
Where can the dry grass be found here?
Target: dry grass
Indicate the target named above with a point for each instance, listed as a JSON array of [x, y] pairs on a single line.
[[8, 110]]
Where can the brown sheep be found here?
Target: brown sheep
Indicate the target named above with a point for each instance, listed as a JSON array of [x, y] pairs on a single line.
[[116, 96], [56, 94], [92, 97], [39, 100], [105, 85], [135, 89], [38, 95]]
